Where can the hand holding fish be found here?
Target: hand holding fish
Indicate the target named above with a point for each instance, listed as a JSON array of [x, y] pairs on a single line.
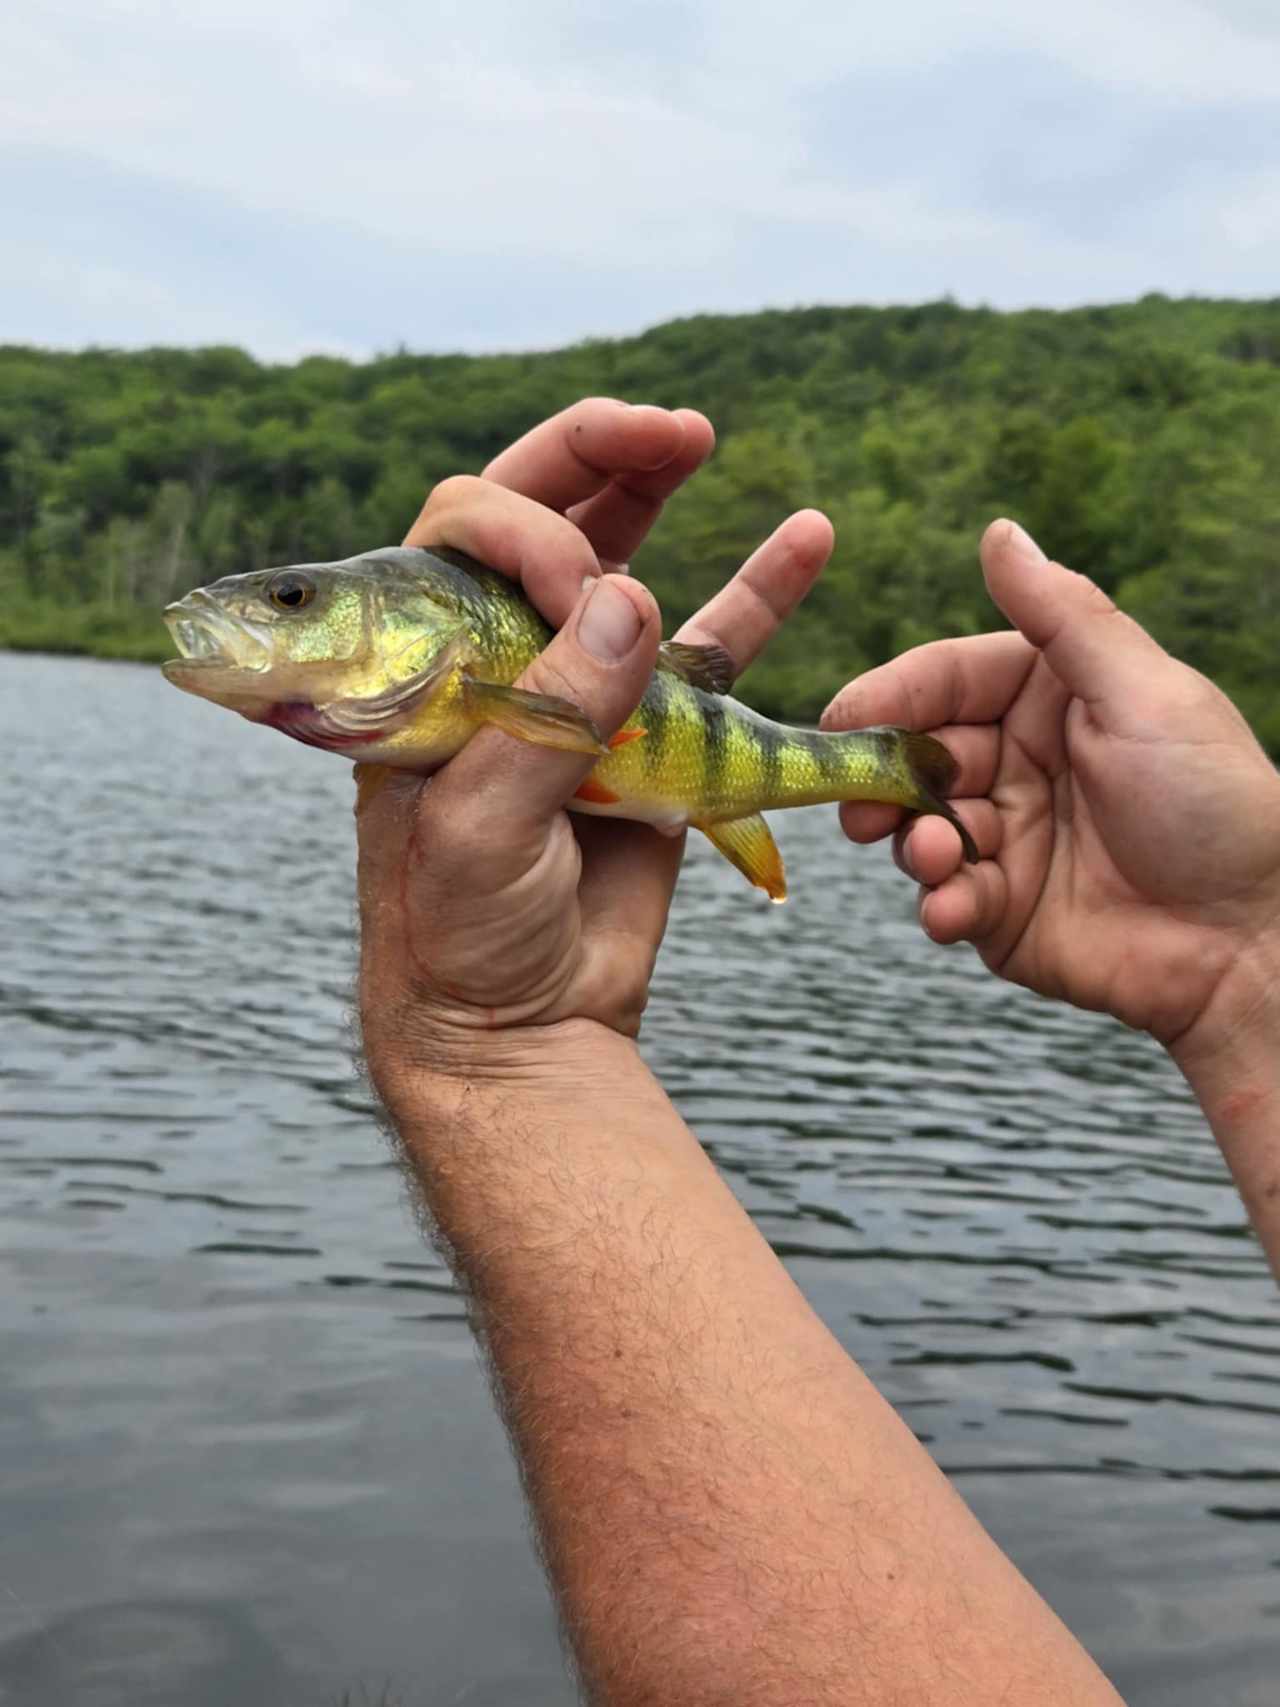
[[1130, 830], [484, 912], [481, 911]]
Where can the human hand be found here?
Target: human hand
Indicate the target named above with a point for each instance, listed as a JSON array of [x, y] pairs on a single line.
[[488, 918], [1128, 820]]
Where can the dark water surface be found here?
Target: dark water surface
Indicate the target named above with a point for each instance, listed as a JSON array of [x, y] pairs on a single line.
[[246, 1449]]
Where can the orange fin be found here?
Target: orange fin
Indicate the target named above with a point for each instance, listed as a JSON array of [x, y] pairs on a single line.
[[596, 793], [748, 843], [625, 735]]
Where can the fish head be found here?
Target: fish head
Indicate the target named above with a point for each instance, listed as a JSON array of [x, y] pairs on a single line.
[[363, 631]]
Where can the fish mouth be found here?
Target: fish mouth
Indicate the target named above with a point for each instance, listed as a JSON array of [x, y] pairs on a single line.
[[207, 636]]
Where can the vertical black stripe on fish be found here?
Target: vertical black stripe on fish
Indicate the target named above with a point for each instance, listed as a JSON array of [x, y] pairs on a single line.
[[771, 742], [826, 756], [655, 715], [715, 728], [890, 754]]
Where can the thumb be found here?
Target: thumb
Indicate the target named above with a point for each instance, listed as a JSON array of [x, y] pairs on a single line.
[[600, 661], [1094, 649]]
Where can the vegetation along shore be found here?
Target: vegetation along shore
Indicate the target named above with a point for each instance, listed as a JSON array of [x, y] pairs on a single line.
[[1140, 443]]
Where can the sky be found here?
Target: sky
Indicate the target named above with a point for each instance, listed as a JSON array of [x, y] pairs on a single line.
[[516, 174]]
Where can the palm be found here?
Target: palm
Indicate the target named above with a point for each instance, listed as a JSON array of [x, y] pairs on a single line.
[[563, 927], [1117, 899]]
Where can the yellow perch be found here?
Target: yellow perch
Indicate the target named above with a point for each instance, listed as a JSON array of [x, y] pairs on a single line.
[[397, 657]]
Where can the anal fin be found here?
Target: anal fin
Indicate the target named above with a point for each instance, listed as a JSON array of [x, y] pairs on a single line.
[[748, 843]]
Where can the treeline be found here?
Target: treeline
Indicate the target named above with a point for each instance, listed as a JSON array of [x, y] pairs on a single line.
[[1140, 443]]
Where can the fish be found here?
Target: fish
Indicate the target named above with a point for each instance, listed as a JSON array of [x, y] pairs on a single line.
[[398, 656]]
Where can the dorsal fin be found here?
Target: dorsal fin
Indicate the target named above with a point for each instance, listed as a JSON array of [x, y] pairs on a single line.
[[707, 667]]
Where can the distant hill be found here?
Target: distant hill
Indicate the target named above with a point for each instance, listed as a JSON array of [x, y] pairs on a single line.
[[1140, 443]]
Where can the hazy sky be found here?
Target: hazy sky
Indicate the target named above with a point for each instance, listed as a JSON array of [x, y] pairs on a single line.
[[514, 173]]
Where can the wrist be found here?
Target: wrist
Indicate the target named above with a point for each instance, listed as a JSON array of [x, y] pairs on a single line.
[[1230, 1056], [1238, 1029], [1231, 1059], [427, 1071]]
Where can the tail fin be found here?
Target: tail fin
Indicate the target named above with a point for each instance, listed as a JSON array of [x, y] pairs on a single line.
[[934, 770]]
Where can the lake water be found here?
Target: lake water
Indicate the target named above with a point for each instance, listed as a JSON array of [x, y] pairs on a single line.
[[246, 1449]]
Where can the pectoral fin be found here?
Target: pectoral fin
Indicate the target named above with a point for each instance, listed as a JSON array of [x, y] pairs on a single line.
[[748, 843], [707, 667], [535, 717]]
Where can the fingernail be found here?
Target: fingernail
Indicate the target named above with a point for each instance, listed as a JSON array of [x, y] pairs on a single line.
[[610, 624], [1020, 542]]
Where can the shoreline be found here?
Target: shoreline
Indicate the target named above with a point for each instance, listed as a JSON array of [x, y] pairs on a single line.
[[16, 649], [88, 632]]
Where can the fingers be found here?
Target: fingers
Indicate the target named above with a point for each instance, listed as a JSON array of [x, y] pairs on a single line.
[[976, 749], [746, 613], [1094, 649], [577, 452], [969, 907], [971, 680], [869, 821], [617, 519], [629, 874], [958, 902], [928, 848], [969, 683], [523, 539], [613, 464], [600, 661]]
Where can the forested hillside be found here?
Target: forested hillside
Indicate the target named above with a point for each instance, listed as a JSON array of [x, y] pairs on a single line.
[[1140, 443]]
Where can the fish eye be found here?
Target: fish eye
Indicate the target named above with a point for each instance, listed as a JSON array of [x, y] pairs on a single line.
[[290, 591]]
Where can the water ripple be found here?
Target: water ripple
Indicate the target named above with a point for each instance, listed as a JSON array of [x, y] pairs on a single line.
[[1010, 1213]]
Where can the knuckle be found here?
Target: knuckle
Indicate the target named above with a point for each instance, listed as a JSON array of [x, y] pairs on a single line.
[[548, 675], [1179, 696], [842, 713], [988, 908], [454, 490], [1099, 602], [589, 405], [1200, 690], [902, 852]]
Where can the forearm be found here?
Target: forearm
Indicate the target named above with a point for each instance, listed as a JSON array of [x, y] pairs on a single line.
[[729, 1510], [1231, 1060]]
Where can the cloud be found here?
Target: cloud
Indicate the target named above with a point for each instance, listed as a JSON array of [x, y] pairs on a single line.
[[322, 176]]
